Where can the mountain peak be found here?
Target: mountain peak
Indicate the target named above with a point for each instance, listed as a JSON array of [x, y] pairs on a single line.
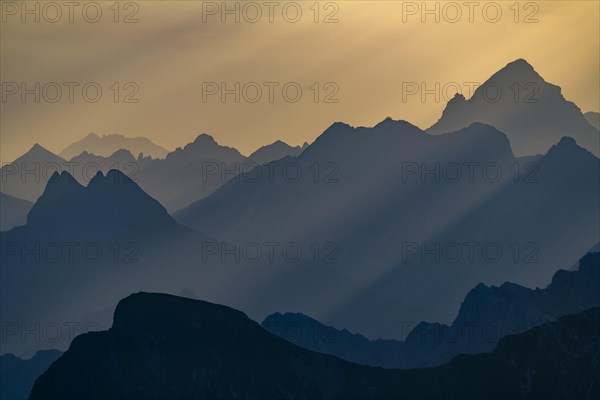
[[67, 207], [516, 72], [519, 63], [112, 176], [38, 151], [567, 149], [389, 122], [533, 113], [205, 139], [60, 179]]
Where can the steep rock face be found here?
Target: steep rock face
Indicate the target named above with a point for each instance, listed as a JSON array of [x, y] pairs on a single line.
[[518, 101], [167, 347]]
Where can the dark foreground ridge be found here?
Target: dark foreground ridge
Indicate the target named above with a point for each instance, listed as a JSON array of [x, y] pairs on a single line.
[[168, 347]]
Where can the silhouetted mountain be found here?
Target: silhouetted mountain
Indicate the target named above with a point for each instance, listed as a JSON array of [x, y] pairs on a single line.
[[17, 375], [593, 118], [26, 177], [99, 243], [416, 193], [190, 173], [13, 211], [162, 346], [486, 315], [89, 243], [177, 179], [118, 206], [518, 101], [195, 171], [275, 151], [106, 145]]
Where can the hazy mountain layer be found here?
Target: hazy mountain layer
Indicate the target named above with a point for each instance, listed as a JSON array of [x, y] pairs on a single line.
[[13, 211], [106, 145], [518, 101], [408, 214], [486, 315]]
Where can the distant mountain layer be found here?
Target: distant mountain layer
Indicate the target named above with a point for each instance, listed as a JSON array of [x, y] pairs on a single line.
[[486, 315], [117, 202], [27, 176], [17, 375], [86, 242], [275, 151], [167, 347], [400, 207], [176, 178], [518, 101], [593, 118], [104, 241], [106, 145], [13, 211], [198, 169]]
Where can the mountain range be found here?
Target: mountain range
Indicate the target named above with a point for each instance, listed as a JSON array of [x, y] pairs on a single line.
[[166, 346], [106, 145], [518, 101], [373, 272], [418, 206], [79, 241], [486, 315], [176, 179], [392, 225]]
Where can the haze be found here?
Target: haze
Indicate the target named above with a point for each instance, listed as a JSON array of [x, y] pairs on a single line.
[[368, 54]]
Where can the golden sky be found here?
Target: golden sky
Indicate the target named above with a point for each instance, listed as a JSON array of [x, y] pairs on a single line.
[[176, 48]]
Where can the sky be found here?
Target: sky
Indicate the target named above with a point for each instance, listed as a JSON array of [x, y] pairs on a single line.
[[167, 70]]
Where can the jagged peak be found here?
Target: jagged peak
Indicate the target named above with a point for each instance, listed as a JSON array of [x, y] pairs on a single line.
[[59, 178], [38, 150], [567, 147], [112, 176], [519, 70], [389, 122]]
